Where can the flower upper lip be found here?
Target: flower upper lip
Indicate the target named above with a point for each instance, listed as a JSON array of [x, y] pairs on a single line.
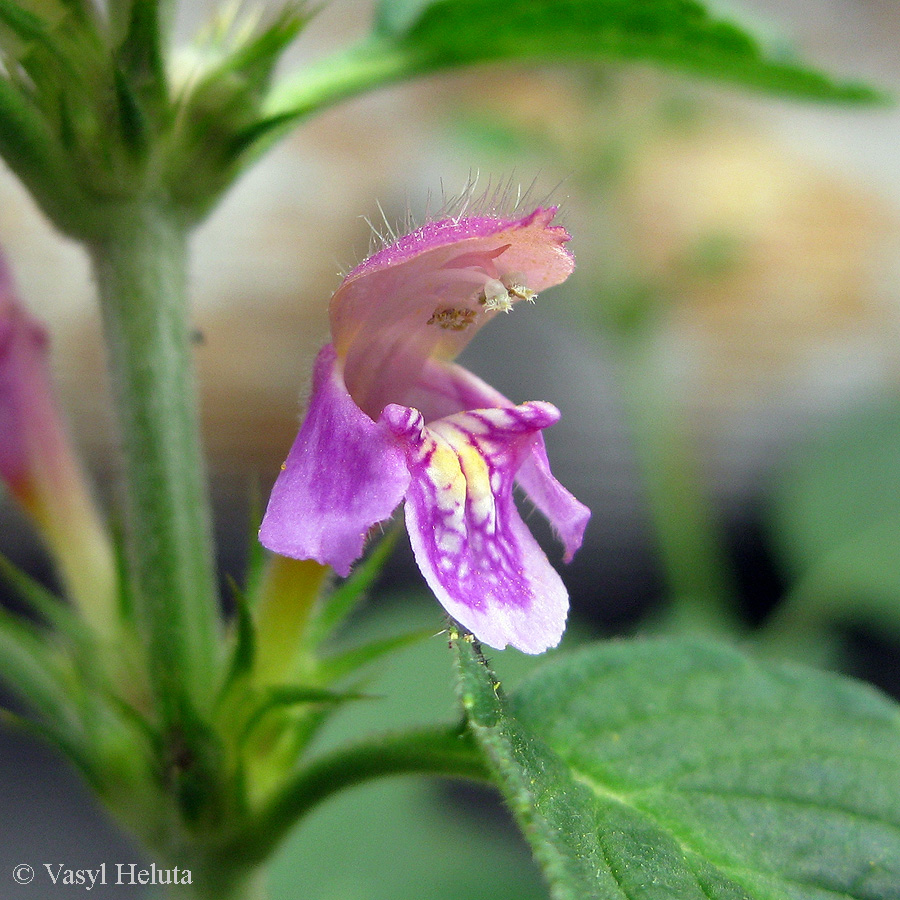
[[419, 298]]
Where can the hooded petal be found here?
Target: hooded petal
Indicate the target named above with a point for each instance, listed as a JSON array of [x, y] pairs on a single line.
[[472, 546], [427, 294], [446, 388], [343, 474]]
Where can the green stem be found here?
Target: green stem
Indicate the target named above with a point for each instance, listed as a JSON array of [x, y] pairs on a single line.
[[246, 886], [444, 750], [699, 581], [140, 266]]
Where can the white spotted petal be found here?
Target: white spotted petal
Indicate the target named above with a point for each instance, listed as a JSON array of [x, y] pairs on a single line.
[[470, 542]]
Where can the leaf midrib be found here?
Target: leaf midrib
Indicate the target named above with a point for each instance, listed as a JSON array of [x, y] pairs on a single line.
[[684, 843]]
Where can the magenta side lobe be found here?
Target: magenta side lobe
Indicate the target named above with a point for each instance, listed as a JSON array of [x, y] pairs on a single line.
[[344, 474]]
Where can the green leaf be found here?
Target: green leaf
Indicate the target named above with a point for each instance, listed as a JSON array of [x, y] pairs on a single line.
[[44, 604], [288, 696], [835, 520], [844, 479], [29, 147], [50, 733], [662, 770], [242, 638], [395, 16], [856, 584], [222, 108], [340, 603], [414, 38], [24, 24], [256, 553], [344, 662], [30, 667], [679, 33], [141, 52]]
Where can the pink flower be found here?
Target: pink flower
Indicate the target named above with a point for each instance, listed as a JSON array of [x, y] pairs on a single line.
[[26, 407], [39, 467], [391, 418]]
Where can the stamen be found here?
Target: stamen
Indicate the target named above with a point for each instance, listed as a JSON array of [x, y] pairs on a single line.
[[452, 318], [496, 296], [517, 285]]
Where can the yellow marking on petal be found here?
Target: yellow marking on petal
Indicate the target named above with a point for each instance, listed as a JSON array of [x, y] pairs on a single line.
[[478, 482], [448, 480]]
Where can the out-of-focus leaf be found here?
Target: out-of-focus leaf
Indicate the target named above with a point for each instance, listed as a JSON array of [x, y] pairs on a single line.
[[395, 16], [679, 33], [243, 640], [414, 37], [685, 771], [835, 515], [844, 479], [33, 671], [44, 604], [256, 553]]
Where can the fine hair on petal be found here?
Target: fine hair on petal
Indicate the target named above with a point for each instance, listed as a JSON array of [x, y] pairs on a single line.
[[503, 198]]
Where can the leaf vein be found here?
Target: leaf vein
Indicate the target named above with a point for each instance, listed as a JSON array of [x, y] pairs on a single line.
[[804, 802], [688, 847]]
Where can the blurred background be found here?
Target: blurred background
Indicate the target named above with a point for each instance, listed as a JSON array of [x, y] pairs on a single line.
[[726, 358]]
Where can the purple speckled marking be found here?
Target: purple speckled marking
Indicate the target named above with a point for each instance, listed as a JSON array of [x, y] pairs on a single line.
[[470, 542], [446, 388], [344, 473]]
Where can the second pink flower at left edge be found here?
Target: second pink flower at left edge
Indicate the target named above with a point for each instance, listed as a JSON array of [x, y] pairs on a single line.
[[39, 465]]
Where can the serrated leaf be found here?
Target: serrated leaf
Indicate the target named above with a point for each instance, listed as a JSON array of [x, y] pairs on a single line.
[[420, 37], [679, 33], [663, 770]]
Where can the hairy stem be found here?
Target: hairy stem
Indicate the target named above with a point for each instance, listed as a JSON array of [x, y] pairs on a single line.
[[140, 266], [444, 750]]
